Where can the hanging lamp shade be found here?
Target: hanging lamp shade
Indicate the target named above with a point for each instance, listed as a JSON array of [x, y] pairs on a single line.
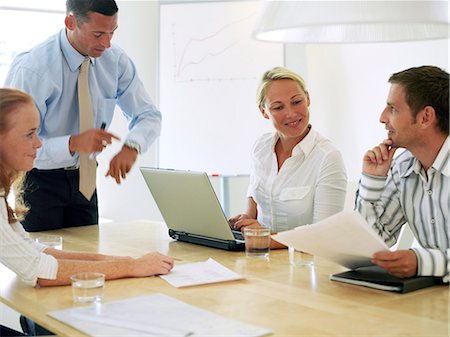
[[352, 21]]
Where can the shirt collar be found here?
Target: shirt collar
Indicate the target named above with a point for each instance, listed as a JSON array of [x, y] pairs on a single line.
[[305, 146], [442, 161], [440, 164], [73, 58]]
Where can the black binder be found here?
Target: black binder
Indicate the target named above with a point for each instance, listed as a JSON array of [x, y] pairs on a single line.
[[378, 278]]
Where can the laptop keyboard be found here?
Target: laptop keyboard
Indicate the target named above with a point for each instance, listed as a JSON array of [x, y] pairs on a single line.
[[238, 235]]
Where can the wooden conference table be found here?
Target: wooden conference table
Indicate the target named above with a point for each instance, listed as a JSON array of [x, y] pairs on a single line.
[[292, 301]]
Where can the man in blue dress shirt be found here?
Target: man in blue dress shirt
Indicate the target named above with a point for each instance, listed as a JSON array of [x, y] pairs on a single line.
[[49, 73]]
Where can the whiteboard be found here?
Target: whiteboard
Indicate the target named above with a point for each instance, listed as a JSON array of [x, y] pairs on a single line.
[[209, 71]]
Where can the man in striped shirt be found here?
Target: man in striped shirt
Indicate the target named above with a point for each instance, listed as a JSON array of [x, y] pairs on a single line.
[[414, 187]]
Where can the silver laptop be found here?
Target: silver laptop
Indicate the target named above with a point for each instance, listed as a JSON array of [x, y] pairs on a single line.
[[190, 208]]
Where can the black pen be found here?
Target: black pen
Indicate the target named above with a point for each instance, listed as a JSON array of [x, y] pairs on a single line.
[[94, 154]]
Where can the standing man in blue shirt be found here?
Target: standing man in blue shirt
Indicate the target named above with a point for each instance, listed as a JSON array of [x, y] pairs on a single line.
[[49, 73]]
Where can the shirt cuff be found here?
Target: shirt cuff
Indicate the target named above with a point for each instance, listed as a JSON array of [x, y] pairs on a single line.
[[371, 187], [60, 149], [430, 262], [133, 145], [47, 269]]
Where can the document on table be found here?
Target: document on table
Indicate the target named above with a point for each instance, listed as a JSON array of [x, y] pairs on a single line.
[[153, 315], [345, 238], [191, 274]]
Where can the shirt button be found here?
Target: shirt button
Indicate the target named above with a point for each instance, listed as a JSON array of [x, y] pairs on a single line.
[[432, 221], [430, 192]]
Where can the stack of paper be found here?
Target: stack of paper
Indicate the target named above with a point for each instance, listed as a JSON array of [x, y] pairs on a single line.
[[154, 315], [197, 273]]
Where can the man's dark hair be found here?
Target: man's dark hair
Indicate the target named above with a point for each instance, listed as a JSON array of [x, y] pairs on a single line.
[[426, 86], [81, 8]]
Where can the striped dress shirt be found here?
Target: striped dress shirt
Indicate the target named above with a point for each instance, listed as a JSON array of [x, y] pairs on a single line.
[[422, 199], [20, 253]]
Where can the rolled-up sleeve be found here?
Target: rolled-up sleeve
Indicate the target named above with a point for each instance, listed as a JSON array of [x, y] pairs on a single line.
[[22, 255], [433, 262], [137, 106]]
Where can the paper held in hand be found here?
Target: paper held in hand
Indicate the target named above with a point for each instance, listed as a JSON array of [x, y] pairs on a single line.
[[345, 238]]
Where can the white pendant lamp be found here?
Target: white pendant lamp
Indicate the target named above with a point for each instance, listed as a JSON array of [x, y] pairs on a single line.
[[352, 21]]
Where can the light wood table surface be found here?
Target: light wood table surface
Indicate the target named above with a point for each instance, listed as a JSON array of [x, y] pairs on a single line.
[[292, 301]]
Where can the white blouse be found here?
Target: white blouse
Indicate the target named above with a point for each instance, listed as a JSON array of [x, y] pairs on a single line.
[[310, 186], [20, 253]]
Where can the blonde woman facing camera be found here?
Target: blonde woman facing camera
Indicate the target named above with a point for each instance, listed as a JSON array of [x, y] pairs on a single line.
[[298, 177], [35, 263]]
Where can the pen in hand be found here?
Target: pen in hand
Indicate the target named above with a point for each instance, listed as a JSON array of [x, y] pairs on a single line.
[[94, 154]]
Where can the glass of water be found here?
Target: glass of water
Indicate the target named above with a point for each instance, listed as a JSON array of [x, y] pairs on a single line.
[[53, 241], [87, 287], [257, 242], [299, 258]]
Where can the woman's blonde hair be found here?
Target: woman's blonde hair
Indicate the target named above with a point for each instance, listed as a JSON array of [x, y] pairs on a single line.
[[10, 101], [274, 74]]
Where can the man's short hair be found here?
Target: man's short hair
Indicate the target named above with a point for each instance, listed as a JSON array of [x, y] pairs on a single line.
[[81, 8], [426, 86]]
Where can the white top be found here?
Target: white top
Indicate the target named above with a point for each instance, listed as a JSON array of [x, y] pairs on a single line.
[[309, 187], [20, 253]]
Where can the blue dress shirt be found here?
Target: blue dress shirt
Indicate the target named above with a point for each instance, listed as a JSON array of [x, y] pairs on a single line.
[[49, 73]]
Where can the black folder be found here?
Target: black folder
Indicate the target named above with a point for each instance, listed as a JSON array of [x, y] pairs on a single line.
[[378, 278]]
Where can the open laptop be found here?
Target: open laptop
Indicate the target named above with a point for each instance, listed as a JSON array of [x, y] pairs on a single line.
[[191, 209]]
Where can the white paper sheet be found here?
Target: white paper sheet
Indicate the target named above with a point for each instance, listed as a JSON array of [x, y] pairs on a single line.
[[153, 315], [191, 274], [345, 238]]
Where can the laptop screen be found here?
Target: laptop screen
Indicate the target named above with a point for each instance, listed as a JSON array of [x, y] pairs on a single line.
[[187, 202]]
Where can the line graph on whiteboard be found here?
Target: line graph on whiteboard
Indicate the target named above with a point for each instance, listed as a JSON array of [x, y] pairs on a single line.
[[209, 68], [208, 47], [217, 47]]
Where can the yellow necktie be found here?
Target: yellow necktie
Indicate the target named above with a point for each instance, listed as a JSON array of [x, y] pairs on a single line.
[[88, 167]]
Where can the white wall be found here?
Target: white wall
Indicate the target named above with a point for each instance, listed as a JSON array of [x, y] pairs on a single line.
[[347, 83], [138, 36], [348, 87]]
